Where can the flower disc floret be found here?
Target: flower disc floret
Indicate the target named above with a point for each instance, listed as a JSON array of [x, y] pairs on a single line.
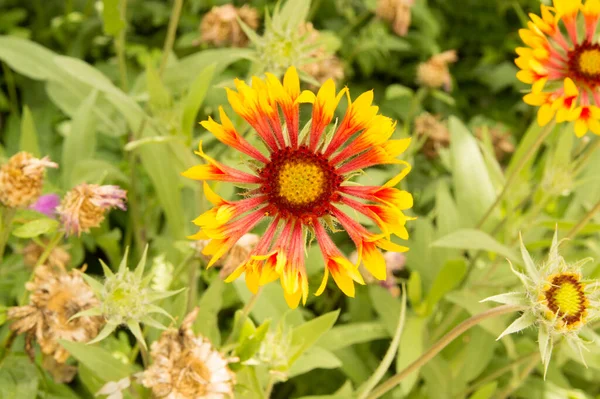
[[300, 183]]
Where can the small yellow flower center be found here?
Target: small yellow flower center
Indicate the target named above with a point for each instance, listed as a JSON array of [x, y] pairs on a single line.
[[300, 183], [589, 61], [566, 299]]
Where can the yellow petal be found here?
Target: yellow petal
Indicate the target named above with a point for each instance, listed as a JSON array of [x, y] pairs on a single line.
[[306, 97], [212, 196], [323, 282], [581, 128], [291, 82]]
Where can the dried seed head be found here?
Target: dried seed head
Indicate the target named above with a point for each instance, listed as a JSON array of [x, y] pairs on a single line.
[[187, 366], [324, 65], [500, 140], [396, 12], [84, 206], [56, 296], [436, 132], [220, 26], [22, 178], [434, 73]]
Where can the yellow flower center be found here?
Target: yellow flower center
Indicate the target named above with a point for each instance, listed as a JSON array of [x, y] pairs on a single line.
[[589, 61], [566, 299], [300, 183]]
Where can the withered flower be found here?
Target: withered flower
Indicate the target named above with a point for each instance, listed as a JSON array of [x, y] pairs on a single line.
[[55, 297], [396, 12], [186, 366], [220, 26], [500, 140], [84, 206], [434, 72], [324, 65], [22, 178], [436, 132]]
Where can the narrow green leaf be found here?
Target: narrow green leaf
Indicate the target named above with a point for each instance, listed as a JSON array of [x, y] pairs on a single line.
[[292, 14], [304, 336], [160, 97], [101, 361], [29, 136], [97, 287], [139, 270], [251, 344], [195, 97], [447, 279], [80, 144], [36, 228], [111, 16], [486, 391], [108, 329], [314, 358], [476, 240], [135, 329], [386, 306], [415, 289], [343, 336]]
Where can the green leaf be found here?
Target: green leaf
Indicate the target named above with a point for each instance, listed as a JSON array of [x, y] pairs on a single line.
[[292, 14], [18, 378], [95, 171], [102, 362], [80, 144], [314, 358], [486, 391], [343, 336], [472, 184], [207, 322], [386, 306], [111, 16], [251, 343], [36, 228], [29, 137], [415, 290], [160, 97], [447, 279], [307, 334], [411, 347], [343, 393], [195, 97], [476, 240]]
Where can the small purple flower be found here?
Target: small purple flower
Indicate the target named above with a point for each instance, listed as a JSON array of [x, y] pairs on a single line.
[[46, 204]]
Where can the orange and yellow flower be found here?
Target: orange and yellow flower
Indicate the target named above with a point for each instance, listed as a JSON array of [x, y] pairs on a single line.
[[562, 63], [300, 185]]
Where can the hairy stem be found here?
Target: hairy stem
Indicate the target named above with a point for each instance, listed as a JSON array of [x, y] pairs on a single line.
[[516, 171], [441, 344], [171, 31], [120, 47], [6, 221]]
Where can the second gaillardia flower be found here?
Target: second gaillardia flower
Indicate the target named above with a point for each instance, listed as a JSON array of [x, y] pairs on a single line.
[[302, 186], [556, 300]]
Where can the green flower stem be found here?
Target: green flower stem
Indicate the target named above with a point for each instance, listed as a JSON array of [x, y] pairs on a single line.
[[582, 223], [120, 47], [516, 171], [240, 323], [144, 353], [587, 154], [193, 285], [6, 221], [498, 373], [171, 31], [389, 355], [441, 344], [511, 387]]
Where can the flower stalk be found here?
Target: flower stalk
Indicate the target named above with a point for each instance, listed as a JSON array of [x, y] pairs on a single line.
[[440, 345]]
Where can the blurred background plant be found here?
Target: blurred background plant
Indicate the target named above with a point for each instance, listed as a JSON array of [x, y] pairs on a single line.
[[112, 92]]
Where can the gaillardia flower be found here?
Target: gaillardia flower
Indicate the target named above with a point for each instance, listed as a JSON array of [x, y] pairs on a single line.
[[562, 63], [556, 300], [303, 185]]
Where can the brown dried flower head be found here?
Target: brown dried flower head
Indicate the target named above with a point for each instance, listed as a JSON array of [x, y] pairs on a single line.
[[84, 206], [58, 257], [325, 65], [56, 296], [434, 73], [396, 12], [436, 132], [220, 26], [186, 366], [500, 140], [22, 178]]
